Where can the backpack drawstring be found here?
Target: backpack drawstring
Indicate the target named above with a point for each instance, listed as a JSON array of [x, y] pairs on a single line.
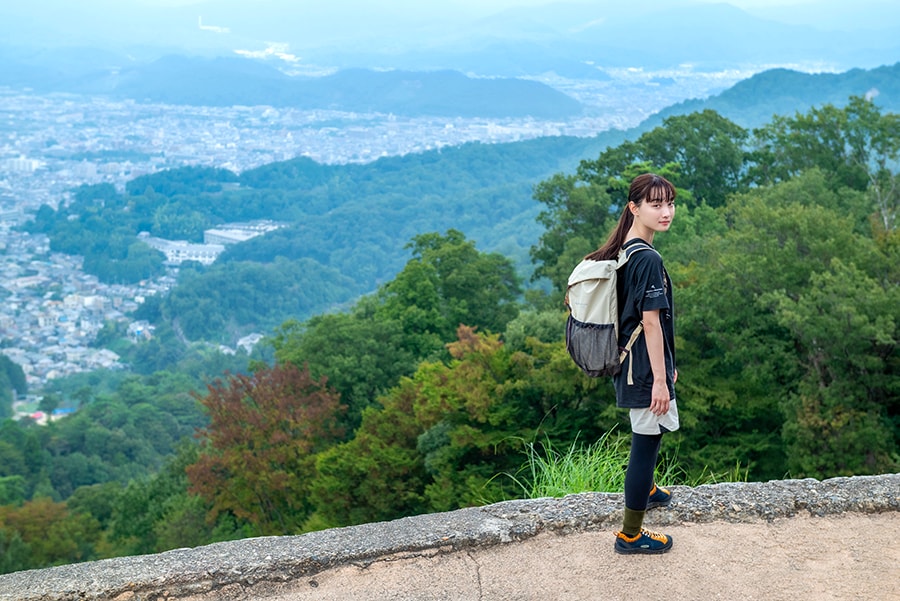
[[627, 350]]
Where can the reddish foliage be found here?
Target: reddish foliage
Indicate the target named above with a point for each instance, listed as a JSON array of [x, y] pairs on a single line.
[[260, 445]]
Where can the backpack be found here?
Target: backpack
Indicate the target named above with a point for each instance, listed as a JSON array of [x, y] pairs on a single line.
[[592, 327]]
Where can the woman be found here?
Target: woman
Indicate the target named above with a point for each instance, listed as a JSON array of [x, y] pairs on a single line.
[[646, 383]]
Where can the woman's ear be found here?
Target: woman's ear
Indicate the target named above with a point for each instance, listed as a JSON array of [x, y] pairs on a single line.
[[632, 207]]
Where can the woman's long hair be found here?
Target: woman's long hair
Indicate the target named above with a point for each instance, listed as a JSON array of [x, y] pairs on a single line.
[[641, 188]]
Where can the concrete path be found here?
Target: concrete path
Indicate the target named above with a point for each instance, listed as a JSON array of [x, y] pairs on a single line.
[[829, 540]]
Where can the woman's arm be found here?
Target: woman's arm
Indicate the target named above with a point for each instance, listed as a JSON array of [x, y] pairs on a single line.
[[659, 402]]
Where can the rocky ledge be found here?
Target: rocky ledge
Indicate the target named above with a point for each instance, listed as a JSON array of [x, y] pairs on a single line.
[[190, 573]]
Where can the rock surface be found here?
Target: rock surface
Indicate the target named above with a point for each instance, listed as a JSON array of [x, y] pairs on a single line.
[[786, 530]]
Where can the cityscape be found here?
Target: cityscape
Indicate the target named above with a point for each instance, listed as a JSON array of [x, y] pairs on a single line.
[[51, 312]]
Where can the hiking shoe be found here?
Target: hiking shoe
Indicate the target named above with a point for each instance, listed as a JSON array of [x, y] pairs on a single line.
[[659, 497], [645, 542]]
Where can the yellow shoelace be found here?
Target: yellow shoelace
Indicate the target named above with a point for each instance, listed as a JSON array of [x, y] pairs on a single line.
[[655, 535]]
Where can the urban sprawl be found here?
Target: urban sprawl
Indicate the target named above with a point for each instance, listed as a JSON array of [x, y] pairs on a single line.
[[51, 311]]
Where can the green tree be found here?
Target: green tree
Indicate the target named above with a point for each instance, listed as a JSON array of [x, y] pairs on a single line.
[[738, 359], [475, 289], [12, 490], [441, 436], [361, 356], [847, 327], [51, 534], [708, 149], [49, 403], [12, 382], [378, 474], [854, 146], [15, 553], [156, 513], [365, 351], [14, 373], [12, 462], [171, 221]]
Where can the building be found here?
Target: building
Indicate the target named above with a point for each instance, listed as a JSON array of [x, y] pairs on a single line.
[[234, 233], [179, 251]]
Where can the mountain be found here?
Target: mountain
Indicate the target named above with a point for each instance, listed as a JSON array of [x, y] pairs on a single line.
[[571, 38], [753, 101], [227, 81], [450, 59], [565, 38]]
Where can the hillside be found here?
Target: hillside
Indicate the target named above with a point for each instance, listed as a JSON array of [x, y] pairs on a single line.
[[347, 225], [753, 102]]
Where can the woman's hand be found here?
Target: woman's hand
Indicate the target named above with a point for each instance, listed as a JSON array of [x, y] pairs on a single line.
[[659, 403]]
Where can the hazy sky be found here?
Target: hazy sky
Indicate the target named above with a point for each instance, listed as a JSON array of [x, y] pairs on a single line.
[[826, 13], [485, 7], [301, 26]]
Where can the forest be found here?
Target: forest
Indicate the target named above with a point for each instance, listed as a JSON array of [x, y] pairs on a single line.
[[423, 395], [347, 226]]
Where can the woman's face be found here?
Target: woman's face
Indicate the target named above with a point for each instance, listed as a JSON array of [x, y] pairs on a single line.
[[654, 213]]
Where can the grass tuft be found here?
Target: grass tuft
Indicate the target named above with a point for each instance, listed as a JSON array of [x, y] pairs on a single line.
[[598, 467]]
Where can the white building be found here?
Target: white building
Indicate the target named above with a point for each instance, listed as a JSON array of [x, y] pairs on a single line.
[[234, 233], [179, 251]]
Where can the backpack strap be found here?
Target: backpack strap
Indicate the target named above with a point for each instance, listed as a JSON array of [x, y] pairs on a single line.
[[627, 349], [626, 252], [624, 255]]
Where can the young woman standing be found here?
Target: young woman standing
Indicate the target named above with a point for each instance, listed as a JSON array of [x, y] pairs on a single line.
[[646, 383]]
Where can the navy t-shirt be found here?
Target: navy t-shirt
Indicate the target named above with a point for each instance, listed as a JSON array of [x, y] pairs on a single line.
[[643, 285]]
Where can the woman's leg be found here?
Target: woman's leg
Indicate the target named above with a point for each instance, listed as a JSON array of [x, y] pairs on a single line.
[[639, 479]]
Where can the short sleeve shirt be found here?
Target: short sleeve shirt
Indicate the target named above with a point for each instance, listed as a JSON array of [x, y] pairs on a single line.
[[643, 285]]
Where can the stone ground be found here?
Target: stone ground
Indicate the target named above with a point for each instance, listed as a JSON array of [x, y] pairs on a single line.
[[848, 557], [838, 539]]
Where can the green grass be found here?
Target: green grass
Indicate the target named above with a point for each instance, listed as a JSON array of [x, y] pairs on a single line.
[[598, 467]]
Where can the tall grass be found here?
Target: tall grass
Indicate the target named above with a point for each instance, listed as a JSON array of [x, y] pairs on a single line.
[[598, 467]]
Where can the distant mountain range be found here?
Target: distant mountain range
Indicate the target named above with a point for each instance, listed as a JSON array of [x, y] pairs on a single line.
[[581, 40], [230, 81], [753, 101], [225, 81], [428, 59], [573, 38]]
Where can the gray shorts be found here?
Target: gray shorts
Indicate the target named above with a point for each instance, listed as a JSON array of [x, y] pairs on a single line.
[[645, 422]]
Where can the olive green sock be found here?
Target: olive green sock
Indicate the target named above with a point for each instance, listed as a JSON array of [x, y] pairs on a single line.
[[632, 522]]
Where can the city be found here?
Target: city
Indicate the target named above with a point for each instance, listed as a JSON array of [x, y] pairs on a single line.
[[51, 312]]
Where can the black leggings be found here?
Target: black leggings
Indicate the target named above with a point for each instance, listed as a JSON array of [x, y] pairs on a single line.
[[641, 465]]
